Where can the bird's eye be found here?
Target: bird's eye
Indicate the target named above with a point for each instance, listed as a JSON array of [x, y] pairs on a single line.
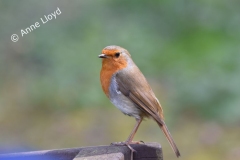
[[117, 54]]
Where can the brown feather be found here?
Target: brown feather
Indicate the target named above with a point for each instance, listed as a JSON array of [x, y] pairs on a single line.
[[135, 83], [139, 91], [169, 138]]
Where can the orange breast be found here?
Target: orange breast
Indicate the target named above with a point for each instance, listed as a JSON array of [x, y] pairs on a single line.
[[109, 68], [105, 77]]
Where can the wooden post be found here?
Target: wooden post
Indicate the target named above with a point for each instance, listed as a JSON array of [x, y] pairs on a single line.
[[148, 151]]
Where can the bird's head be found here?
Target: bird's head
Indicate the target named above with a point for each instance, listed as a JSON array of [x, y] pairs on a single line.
[[115, 56]]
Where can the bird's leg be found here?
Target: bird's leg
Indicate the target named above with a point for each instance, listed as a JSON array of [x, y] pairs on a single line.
[[130, 138]]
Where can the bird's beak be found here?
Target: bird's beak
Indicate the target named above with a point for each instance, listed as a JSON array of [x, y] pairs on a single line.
[[102, 56]]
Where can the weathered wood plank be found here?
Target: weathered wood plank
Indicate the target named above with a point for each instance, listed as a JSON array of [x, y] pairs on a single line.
[[148, 151]]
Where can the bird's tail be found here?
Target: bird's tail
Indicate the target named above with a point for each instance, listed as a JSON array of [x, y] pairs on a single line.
[[169, 138]]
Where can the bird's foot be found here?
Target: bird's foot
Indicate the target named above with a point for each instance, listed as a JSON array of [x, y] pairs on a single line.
[[126, 144]]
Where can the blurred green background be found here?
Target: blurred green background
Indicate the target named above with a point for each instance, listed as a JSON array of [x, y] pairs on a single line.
[[50, 94]]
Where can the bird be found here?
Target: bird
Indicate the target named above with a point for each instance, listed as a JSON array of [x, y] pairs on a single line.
[[127, 88]]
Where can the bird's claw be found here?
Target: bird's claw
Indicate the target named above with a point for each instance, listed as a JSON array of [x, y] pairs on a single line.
[[125, 144]]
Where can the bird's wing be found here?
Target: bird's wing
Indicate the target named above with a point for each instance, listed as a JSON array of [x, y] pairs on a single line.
[[134, 86]]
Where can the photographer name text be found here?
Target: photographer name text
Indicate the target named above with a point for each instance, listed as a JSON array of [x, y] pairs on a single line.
[[44, 20]]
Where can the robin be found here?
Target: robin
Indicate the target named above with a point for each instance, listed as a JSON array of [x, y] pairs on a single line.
[[127, 88]]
